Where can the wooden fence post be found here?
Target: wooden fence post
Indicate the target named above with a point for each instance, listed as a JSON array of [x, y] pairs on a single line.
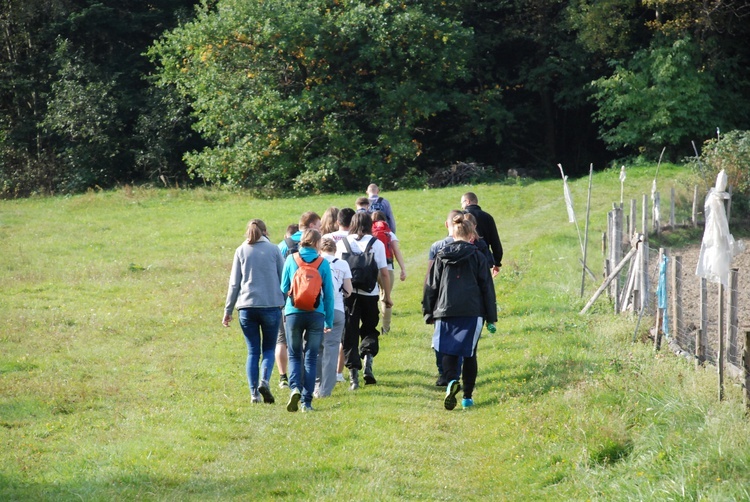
[[676, 280], [636, 240], [656, 213], [746, 365], [645, 288], [704, 314], [699, 355], [720, 357], [694, 216], [732, 322], [729, 204], [644, 216]]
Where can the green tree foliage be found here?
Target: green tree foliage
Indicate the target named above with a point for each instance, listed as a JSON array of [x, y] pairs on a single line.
[[729, 152], [287, 95], [313, 94], [75, 109], [672, 84], [659, 98]]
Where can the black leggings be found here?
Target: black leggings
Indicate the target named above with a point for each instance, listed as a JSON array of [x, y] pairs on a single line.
[[450, 370]]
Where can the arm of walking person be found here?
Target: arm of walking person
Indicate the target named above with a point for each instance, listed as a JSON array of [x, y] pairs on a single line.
[[399, 258], [346, 287], [385, 283]]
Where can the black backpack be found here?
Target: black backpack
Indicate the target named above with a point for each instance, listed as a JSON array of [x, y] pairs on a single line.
[[292, 246], [364, 268]]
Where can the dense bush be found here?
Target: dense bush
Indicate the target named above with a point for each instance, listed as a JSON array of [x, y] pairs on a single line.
[[730, 152]]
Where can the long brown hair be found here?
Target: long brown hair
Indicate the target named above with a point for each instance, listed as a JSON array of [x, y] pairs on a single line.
[[361, 225], [328, 223], [256, 230]]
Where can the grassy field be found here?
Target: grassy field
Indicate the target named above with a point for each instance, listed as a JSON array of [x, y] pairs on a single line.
[[118, 382]]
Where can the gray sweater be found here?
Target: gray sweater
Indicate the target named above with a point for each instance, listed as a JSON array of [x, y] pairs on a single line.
[[255, 280]]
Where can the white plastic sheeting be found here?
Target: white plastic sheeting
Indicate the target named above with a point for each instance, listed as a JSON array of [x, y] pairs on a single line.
[[718, 246]]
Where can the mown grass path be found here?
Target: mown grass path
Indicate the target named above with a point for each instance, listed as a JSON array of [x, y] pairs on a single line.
[[117, 380]]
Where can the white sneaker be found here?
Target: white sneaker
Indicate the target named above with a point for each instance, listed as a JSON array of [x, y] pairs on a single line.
[[340, 377]]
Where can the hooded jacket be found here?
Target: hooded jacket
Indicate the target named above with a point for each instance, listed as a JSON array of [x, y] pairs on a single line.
[[459, 285]]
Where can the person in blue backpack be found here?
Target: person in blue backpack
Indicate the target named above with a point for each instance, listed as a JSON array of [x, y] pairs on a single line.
[[305, 328], [378, 203]]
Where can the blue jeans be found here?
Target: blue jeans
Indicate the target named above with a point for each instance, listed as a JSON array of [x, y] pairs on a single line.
[[304, 332], [252, 322]]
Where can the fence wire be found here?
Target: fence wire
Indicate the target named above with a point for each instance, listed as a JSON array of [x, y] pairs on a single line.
[[686, 287]]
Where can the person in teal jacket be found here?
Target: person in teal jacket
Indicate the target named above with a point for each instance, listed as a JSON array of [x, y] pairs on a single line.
[[304, 328]]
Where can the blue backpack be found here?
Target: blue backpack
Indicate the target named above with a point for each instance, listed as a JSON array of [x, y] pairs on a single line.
[[377, 206]]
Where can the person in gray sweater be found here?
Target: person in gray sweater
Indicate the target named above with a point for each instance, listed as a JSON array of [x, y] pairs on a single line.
[[254, 289]]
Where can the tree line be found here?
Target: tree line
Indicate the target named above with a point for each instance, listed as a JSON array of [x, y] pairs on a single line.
[[315, 95]]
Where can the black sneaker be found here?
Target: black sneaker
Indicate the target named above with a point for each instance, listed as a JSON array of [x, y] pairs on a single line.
[[283, 382], [441, 381], [266, 393], [450, 400]]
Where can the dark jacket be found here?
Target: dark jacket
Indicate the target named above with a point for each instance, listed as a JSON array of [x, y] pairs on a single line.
[[459, 284], [487, 229]]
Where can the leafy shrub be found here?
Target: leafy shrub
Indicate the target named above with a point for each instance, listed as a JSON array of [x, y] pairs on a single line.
[[730, 152]]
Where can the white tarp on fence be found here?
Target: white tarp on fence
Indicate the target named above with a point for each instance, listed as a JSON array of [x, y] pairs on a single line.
[[718, 246]]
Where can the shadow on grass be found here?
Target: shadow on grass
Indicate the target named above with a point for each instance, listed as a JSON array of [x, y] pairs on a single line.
[[531, 378]]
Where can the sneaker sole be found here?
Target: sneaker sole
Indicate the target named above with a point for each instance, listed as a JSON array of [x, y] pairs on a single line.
[[267, 396], [450, 396], [293, 402]]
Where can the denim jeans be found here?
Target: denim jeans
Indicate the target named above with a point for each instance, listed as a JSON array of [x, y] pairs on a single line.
[[252, 322], [304, 332], [328, 357]]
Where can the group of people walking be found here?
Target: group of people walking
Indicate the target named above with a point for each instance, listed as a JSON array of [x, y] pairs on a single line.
[[313, 302]]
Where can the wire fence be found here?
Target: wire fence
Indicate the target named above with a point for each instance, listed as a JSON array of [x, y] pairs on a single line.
[[705, 321]]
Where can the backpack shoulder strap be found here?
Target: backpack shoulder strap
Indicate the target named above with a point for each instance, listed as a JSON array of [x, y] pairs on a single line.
[[299, 260], [317, 261], [347, 245], [369, 244]]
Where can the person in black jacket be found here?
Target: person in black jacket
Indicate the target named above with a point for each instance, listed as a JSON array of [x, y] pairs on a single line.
[[486, 229], [459, 297]]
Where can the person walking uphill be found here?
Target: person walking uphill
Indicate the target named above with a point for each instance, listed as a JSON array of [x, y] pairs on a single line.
[[289, 245], [459, 297], [378, 203], [254, 288], [486, 229], [366, 257], [309, 312]]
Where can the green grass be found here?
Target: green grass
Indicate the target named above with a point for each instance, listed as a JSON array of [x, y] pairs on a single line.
[[117, 380]]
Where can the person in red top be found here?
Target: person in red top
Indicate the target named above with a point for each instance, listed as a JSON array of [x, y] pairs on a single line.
[[384, 233]]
